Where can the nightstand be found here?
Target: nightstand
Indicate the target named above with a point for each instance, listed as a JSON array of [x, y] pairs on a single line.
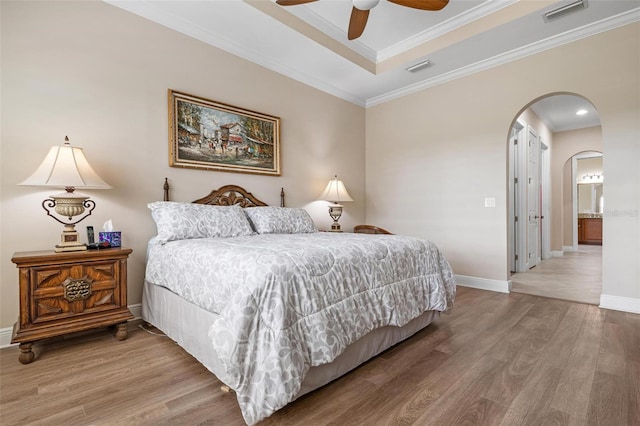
[[66, 292]]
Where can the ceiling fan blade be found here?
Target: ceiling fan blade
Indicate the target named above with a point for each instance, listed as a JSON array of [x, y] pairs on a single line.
[[357, 22], [422, 4], [293, 2]]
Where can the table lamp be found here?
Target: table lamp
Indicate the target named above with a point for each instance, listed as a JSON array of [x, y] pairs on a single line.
[[335, 192], [66, 167]]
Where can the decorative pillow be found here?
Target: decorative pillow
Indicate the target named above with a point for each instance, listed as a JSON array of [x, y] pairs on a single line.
[[180, 221], [280, 220]]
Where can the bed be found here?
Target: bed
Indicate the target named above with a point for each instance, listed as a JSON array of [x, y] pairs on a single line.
[[276, 309]]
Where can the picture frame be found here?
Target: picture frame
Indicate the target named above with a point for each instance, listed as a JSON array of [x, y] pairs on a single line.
[[209, 135]]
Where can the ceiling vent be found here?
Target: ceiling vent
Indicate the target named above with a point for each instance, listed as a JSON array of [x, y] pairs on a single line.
[[564, 10], [420, 66]]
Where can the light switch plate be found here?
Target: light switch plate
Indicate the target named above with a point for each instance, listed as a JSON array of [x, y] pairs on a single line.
[[490, 202]]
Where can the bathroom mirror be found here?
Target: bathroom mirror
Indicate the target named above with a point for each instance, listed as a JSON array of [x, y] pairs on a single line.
[[590, 198]]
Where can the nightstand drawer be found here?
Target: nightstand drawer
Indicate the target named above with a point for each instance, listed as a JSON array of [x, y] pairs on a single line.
[[69, 290]]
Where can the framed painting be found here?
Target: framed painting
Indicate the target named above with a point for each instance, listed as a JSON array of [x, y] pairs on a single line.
[[205, 134]]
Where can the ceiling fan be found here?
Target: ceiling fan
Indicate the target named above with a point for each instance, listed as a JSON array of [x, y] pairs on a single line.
[[361, 8]]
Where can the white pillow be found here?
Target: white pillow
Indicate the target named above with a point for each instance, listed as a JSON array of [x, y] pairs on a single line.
[[180, 221], [280, 220]]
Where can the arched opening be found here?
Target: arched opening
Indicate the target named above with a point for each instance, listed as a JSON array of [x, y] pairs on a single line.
[[547, 140]]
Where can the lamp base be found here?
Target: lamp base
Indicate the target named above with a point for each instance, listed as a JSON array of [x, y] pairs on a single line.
[[69, 241], [63, 249], [335, 211], [335, 227]]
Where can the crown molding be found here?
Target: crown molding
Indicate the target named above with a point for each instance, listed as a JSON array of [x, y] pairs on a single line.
[[484, 9], [513, 55], [471, 15], [148, 11]]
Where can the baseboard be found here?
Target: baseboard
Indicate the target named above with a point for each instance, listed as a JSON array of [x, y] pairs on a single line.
[[557, 253], [136, 311], [618, 303], [5, 333], [568, 248], [5, 337], [484, 283]]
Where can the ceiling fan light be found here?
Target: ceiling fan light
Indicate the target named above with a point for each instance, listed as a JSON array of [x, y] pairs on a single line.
[[365, 4]]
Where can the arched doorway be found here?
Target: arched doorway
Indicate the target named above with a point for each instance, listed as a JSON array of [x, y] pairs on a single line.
[[544, 135]]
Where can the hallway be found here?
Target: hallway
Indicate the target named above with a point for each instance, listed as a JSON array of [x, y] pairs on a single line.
[[577, 276]]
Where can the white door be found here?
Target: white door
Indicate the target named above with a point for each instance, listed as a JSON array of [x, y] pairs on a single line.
[[533, 200]]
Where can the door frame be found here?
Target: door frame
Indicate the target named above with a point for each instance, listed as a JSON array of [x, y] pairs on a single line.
[[518, 223], [545, 209], [533, 199], [518, 198]]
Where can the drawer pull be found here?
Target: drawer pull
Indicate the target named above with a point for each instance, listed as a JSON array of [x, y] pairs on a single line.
[[77, 288]]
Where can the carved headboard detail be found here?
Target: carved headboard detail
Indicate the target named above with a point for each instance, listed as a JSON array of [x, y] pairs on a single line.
[[228, 195]]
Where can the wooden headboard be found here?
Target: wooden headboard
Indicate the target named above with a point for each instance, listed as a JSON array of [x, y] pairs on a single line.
[[227, 195]]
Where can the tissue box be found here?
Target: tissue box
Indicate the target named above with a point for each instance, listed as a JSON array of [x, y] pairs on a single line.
[[112, 238]]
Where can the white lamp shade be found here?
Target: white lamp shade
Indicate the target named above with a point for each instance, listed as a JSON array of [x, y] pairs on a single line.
[[66, 166], [335, 192]]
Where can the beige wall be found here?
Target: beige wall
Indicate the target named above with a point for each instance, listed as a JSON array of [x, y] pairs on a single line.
[[588, 166], [432, 157], [100, 75], [566, 145]]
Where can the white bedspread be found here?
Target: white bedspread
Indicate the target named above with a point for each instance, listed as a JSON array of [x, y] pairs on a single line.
[[288, 302]]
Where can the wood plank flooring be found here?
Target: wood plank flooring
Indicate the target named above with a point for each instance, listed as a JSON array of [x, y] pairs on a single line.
[[576, 276], [497, 359]]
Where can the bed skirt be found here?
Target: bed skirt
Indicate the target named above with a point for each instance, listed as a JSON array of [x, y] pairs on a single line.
[[188, 325]]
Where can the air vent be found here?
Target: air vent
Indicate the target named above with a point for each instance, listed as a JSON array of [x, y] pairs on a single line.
[[564, 10], [420, 66]]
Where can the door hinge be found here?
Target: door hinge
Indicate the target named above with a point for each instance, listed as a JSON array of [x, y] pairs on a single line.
[[515, 180], [516, 218], [515, 141], [516, 257]]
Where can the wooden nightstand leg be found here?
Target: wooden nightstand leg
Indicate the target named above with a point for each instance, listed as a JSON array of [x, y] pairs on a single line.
[[121, 331], [26, 354]]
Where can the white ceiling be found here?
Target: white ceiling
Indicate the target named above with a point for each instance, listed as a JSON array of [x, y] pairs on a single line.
[[559, 112], [308, 42]]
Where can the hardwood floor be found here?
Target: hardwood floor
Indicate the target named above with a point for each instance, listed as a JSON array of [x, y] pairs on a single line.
[[497, 359], [576, 276]]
